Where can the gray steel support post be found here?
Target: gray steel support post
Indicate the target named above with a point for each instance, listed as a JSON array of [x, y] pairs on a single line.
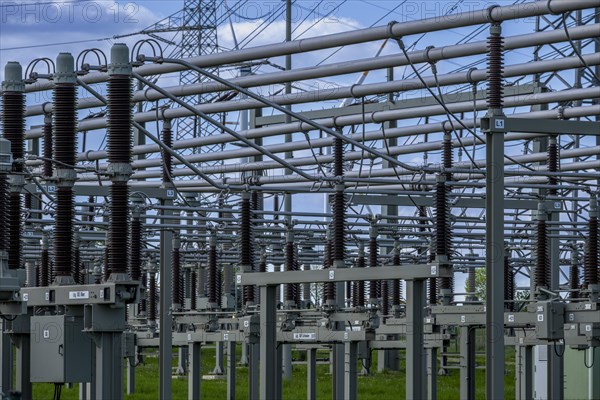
[[494, 224], [6, 368], [286, 350], [195, 371], [556, 363], [253, 370], [416, 387], [23, 381], [268, 342], [244, 356], [311, 374], [165, 352], [432, 372], [350, 371], [219, 359], [131, 374], [231, 359], [109, 365], [182, 360], [278, 382], [467, 363], [524, 373]]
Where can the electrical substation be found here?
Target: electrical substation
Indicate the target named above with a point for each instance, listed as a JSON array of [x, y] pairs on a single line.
[[436, 219]]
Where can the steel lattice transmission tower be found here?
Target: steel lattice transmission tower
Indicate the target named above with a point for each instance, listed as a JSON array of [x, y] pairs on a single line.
[[201, 39]]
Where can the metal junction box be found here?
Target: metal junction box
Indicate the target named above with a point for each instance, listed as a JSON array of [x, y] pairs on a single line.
[[60, 351], [550, 320]]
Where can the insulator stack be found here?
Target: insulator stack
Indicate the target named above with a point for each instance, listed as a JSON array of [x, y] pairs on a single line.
[[509, 284], [45, 264], [119, 235], [63, 233], [143, 301], [590, 271], [574, 273], [152, 297], [246, 247], [167, 159], [106, 271], [212, 279], [262, 265], [136, 248], [119, 124], [495, 69], [552, 151], [374, 286], [542, 263], [471, 283], [4, 196], [360, 285], [385, 297], [193, 289], [176, 275], [47, 169], [329, 287], [13, 122], [291, 290], [77, 270], [396, 284], [64, 127], [91, 209], [442, 217]]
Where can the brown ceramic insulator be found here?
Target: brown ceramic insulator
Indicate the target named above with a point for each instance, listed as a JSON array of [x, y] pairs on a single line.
[[495, 71], [13, 123], [45, 268], [360, 290], [63, 232], [48, 155], [136, 249], [4, 196], [590, 270], [167, 159], [152, 298], [542, 264], [396, 285], [65, 125], [374, 286], [119, 119], [119, 228]]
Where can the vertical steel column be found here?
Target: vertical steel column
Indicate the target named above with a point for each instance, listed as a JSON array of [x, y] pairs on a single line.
[[6, 367], [495, 224], [432, 371], [467, 363], [350, 371], [23, 380], [219, 359], [268, 342], [253, 370], [311, 373], [231, 359], [130, 389], [195, 371], [416, 387], [524, 373], [165, 353], [108, 375], [278, 378]]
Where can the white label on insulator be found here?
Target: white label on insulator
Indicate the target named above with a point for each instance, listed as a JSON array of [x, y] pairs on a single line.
[[47, 295], [434, 270], [588, 328], [79, 294], [540, 308], [463, 319], [226, 336], [499, 124], [511, 318], [305, 336], [540, 317], [571, 317], [588, 306], [246, 324], [238, 279], [46, 334], [189, 337], [331, 274], [25, 296]]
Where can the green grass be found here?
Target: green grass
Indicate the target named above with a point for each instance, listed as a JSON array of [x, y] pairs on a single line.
[[377, 386]]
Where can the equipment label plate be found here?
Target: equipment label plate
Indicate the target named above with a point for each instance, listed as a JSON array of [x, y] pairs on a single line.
[[305, 336], [80, 294]]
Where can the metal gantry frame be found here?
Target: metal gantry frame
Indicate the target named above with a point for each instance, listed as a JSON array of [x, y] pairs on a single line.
[[523, 217]]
